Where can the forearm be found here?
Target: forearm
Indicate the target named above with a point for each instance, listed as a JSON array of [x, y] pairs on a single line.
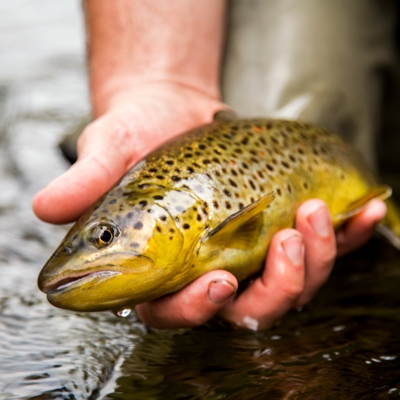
[[131, 42]]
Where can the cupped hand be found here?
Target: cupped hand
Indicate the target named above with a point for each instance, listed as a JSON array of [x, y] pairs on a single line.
[[137, 121], [299, 262]]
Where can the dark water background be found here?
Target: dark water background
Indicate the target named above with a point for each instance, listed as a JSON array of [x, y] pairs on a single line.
[[345, 345]]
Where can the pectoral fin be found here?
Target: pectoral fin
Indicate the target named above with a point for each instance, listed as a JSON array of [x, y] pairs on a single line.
[[241, 229], [376, 193]]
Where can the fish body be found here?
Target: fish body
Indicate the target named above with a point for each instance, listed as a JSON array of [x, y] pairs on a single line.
[[209, 199]]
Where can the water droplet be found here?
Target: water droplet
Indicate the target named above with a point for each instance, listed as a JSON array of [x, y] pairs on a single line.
[[123, 313]]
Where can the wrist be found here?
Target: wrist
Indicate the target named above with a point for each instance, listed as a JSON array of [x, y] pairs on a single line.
[[120, 92]]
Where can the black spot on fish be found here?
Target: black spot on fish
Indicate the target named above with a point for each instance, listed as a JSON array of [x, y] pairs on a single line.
[[253, 186], [279, 192], [190, 170], [245, 141], [289, 188], [255, 160], [158, 229], [113, 201], [305, 185], [241, 205], [206, 161], [67, 250], [143, 203], [233, 172], [169, 162], [215, 204], [172, 230], [222, 146], [129, 215], [163, 217], [175, 178], [153, 170], [198, 217], [292, 158], [202, 146], [245, 166], [228, 205], [285, 164], [159, 177], [186, 226], [232, 183], [188, 155], [227, 192], [158, 197], [138, 225]]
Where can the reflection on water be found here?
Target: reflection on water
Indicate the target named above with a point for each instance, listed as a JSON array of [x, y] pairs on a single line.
[[345, 345]]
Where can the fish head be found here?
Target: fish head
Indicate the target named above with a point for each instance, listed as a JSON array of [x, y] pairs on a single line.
[[112, 260]]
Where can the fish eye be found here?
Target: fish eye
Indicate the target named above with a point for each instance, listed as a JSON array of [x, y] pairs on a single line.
[[104, 235]]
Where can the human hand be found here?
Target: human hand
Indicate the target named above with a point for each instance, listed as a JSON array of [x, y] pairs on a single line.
[[299, 262], [139, 119]]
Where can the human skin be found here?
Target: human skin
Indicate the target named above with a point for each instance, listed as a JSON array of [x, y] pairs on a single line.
[[154, 73]]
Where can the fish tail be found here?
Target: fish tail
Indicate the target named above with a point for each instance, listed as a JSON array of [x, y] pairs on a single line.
[[389, 228]]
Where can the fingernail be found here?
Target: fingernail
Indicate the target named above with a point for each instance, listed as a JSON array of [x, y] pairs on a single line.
[[220, 290], [294, 249], [321, 222]]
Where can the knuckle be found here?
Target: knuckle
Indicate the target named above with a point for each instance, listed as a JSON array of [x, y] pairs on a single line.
[[291, 291], [192, 318]]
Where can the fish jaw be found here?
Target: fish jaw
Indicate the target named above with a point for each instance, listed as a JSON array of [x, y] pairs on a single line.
[[98, 285]]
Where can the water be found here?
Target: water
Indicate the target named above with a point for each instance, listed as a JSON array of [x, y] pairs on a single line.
[[344, 345]]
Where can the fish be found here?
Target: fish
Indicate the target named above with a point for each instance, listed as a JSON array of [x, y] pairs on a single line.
[[211, 198]]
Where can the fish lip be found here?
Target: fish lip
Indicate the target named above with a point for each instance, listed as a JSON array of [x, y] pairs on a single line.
[[63, 283]]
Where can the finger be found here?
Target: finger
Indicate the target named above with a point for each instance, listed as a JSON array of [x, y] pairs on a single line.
[[277, 290], [314, 222], [193, 305], [99, 166], [360, 228]]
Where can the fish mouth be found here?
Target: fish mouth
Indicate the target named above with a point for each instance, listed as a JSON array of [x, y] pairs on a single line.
[[62, 284]]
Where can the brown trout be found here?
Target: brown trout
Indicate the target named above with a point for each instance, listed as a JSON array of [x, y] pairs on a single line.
[[211, 198]]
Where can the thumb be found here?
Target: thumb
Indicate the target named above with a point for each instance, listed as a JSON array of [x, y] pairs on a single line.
[[68, 196]]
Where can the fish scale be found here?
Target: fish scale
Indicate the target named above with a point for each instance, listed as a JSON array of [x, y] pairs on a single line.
[[211, 198]]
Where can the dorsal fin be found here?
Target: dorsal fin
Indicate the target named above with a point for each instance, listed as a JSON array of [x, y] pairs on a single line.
[[241, 229], [225, 115]]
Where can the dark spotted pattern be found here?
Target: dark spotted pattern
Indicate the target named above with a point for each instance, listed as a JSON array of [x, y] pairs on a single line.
[[204, 176]]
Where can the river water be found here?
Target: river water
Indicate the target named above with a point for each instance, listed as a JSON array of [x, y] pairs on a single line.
[[344, 345]]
